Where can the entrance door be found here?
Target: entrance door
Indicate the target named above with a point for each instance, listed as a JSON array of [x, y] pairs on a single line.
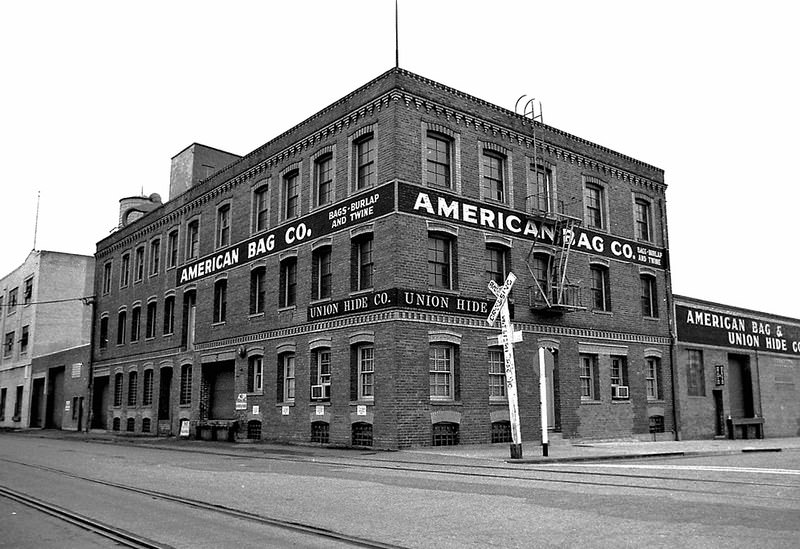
[[740, 386], [550, 367], [719, 414], [55, 398], [100, 396], [37, 402], [79, 411]]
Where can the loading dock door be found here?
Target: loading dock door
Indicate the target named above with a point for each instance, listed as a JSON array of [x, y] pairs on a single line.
[[740, 386], [55, 398], [221, 393]]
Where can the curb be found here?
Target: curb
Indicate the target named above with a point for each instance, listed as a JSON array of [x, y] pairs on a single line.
[[618, 457]]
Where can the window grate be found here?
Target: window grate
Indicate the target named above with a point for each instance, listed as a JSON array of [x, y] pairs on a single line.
[[656, 424], [362, 434], [254, 430], [445, 434], [320, 432], [501, 431]]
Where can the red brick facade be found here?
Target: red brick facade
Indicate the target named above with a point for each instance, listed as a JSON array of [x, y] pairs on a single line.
[[408, 358]]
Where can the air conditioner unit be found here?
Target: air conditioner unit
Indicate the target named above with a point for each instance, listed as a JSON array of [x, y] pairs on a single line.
[[620, 391], [317, 392]]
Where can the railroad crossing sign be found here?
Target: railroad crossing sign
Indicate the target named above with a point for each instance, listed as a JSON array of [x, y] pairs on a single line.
[[507, 339]]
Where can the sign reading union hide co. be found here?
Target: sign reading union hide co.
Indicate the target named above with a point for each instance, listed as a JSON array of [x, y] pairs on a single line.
[[396, 297], [341, 215], [436, 205], [700, 325]]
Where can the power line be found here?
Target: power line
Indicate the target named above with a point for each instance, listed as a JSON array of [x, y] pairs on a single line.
[[87, 299]]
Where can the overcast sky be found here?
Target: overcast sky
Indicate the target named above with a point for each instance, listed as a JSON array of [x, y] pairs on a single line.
[[96, 97]]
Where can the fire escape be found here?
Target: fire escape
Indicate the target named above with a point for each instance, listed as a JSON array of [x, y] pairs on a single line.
[[548, 260]]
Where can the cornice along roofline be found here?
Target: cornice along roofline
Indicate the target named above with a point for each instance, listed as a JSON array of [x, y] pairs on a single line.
[[394, 93]]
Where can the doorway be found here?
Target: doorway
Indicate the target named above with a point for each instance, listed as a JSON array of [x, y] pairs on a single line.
[[100, 396], [165, 401], [37, 402], [719, 414], [740, 386], [219, 377], [55, 398]]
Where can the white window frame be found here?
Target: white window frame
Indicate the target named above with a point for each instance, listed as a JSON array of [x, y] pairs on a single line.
[[441, 366], [497, 374], [365, 355]]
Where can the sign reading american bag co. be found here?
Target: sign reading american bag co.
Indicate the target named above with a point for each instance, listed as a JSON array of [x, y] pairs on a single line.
[[356, 209], [700, 325], [433, 204]]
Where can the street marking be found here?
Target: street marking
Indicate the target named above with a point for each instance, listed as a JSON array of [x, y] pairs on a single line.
[[711, 468]]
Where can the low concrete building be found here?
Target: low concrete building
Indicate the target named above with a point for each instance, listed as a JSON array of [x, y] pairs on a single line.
[[738, 371], [45, 322]]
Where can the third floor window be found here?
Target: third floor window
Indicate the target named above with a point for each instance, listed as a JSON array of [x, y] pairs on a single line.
[[594, 203], [365, 156], [172, 249], [138, 264], [223, 226], [437, 154], [193, 239], [291, 194], [642, 215], [323, 179], [261, 208]]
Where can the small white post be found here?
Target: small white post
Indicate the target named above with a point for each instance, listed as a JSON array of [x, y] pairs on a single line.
[[543, 393]]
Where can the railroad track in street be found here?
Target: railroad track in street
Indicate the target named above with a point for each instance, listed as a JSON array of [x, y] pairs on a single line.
[[128, 539], [119, 536]]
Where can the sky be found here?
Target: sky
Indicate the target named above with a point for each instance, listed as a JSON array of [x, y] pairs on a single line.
[[96, 97]]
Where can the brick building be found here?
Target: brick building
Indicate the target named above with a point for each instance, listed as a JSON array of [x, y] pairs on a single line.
[[45, 319], [331, 286], [737, 371]]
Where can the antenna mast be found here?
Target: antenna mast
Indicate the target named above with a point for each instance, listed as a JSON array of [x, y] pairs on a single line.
[[396, 38], [36, 223]]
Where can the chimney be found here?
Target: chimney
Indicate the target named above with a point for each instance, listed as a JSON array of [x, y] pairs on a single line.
[[195, 163]]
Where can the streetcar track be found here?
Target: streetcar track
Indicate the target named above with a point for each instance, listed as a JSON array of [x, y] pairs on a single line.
[[543, 466], [118, 535], [614, 485], [473, 473], [295, 526]]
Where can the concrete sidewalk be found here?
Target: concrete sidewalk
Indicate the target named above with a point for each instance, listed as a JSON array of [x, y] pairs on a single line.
[[565, 451], [560, 451]]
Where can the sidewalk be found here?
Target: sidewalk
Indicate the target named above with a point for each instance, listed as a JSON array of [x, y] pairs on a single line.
[[561, 451], [565, 451]]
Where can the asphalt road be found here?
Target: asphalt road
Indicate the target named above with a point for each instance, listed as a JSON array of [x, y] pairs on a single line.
[[747, 500]]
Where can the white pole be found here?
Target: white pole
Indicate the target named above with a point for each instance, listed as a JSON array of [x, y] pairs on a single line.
[[543, 393]]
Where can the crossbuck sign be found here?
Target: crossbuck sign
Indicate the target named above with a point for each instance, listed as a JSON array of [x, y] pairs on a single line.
[[507, 338]]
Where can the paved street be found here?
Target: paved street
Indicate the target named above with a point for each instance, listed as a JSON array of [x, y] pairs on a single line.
[[418, 498]]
